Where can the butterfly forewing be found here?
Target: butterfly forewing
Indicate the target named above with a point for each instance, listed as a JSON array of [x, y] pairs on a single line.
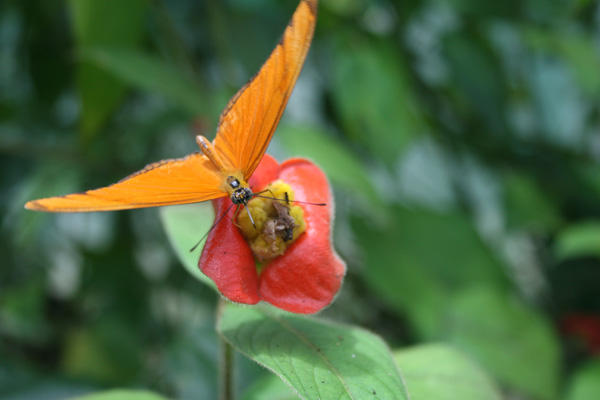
[[244, 132], [251, 116], [179, 181]]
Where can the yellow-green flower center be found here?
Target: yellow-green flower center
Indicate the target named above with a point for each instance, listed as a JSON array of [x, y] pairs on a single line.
[[278, 222]]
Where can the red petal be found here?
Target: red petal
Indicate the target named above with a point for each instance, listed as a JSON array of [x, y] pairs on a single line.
[[307, 277], [266, 172], [226, 257], [228, 260]]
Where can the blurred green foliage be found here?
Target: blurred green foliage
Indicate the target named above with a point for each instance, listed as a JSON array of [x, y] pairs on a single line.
[[437, 371], [461, 138], [316, 358]]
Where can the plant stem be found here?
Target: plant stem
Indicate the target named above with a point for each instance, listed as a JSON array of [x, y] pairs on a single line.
[[225, 365]]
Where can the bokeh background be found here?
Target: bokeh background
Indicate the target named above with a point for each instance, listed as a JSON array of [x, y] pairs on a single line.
[[461, 138]]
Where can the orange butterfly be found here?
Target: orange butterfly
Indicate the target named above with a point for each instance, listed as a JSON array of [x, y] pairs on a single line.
[[223, 167]]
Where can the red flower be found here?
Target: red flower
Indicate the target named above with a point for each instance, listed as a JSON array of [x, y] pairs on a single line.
[[585, 327], [307, 276]]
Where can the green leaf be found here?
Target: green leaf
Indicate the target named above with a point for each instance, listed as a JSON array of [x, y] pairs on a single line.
[[270, 388], [477, 77], [317, 359], [22, 314], [346, 8], [340, 165], [190, 357], [15, 378], [185, 225], [122, 394], [148, 73], [50, 178], [527, 207], [421, 259], [578, 50], [373, 95], [104, 351], [579, 240], [585, 384], [41, 388], [440, 372], [498, 331], [103, 23]]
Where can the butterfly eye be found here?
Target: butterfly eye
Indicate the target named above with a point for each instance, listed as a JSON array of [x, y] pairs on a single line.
[[233, 182]]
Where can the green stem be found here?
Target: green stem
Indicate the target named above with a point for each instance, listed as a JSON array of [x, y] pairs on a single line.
[[225, 364]]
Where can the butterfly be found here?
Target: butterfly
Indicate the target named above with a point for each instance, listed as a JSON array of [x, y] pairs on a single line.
[[223, 167]]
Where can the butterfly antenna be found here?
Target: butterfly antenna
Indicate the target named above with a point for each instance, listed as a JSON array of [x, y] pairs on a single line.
[[217, 221], [287, 200]]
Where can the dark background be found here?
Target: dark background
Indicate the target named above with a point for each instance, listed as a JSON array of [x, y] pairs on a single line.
[[461, 139]]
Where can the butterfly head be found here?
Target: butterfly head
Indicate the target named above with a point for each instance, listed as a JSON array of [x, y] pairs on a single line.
[[239, 192]]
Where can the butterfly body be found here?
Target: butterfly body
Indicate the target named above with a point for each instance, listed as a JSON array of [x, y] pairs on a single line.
[[234, 183], [223, 166], [240, 194]]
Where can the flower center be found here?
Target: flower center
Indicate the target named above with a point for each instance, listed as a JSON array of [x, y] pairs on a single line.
[[278, 222]]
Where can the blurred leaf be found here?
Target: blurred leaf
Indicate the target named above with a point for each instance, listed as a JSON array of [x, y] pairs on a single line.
[[421, 260], [477, 76], [575, 290], [48, 389], [578, 50], [340, 165], [110, 24], [579, 5], [270, 388], [585, 384], [527, 207], [185, 225], [107, 351], [318, 359], [480, 10], [425, 177], [148, 73], [49, 61], [545, 12], [579, 240], [440, 372], [498, 330], [345, 7], [191, 356], [50, 178], [589, 173], [14, 378], [22, 312], [122, 394], [373, 95], [85, 357]]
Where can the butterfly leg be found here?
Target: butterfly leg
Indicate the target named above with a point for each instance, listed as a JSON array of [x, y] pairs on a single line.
[[250, 216], [235, 215], [217, 221]]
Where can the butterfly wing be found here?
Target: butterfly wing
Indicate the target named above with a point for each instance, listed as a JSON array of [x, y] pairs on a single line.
[[251, 116], [177, 181], [245, 129]]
